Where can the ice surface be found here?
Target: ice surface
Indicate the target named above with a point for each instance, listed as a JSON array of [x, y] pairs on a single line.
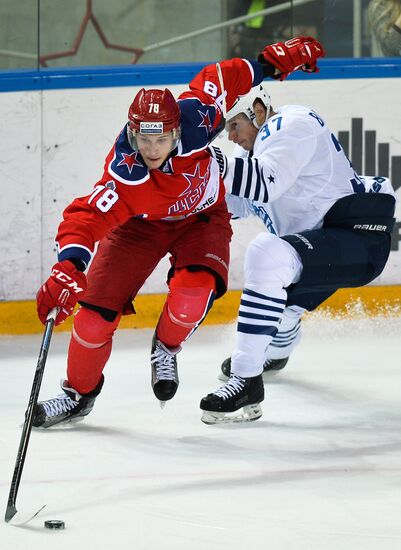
[[321, 470]]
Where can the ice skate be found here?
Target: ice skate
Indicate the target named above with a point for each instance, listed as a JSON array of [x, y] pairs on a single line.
[[70, 406], [270, 368], [237, 401], [164, 370]]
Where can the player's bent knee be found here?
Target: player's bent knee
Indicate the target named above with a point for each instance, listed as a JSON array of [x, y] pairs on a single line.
[[270, 260], [189, 278], [190, 297], [91, 330]]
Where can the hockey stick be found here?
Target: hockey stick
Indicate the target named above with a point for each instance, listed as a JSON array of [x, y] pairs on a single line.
[[11, 510]]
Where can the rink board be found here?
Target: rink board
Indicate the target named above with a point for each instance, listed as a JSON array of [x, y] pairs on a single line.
[[60, 127], [20, 317]]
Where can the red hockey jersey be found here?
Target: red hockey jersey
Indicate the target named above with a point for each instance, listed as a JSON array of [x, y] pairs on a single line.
[[187, 183]]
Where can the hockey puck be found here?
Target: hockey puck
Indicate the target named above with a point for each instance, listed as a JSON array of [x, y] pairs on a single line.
[[54, 524]]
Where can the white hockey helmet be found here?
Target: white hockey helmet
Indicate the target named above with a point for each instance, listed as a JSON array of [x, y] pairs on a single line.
[[245, 104]]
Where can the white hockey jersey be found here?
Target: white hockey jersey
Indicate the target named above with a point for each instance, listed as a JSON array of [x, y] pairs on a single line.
[[297, 172]]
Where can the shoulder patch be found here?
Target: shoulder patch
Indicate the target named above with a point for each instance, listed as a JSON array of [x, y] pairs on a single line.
[[127, 166]]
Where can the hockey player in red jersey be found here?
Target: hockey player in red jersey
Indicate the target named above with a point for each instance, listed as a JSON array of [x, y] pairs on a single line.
[[161, 192]]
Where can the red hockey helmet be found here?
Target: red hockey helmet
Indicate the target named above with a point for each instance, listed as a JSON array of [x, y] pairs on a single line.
[[154, 112]]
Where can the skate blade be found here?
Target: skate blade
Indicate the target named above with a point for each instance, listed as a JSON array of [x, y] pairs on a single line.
[[249, 413], [63, 425]]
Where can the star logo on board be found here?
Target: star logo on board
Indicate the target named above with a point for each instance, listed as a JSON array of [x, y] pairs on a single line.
[[129, 161], [194, 180], [271, 178], [205, 122]]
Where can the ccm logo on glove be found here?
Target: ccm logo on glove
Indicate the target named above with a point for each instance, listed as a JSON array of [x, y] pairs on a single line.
[[61, 290], [66, 279]]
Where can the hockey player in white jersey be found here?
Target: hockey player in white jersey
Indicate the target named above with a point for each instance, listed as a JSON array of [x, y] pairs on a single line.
[[327, 228]]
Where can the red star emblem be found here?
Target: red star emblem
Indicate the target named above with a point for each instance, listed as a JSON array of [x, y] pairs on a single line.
[[205, 121], [129, 161], [194, 180]]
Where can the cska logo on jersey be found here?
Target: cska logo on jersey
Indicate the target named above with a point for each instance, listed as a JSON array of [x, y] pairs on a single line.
[[206, 123], [166, 168], [197, 184], [130, 161]]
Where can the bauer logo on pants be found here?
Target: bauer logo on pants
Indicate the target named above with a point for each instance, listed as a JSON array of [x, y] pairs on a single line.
[[370, 227]]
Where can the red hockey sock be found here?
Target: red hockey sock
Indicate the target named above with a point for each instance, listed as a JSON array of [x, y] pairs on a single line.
[[89, 350], [190, 297]]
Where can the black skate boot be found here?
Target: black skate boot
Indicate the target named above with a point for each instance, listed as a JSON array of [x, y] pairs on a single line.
[[270, 367], [164, 370], [238, 393], [69, 406]]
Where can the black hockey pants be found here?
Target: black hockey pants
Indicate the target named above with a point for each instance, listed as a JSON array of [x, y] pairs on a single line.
[[350, 250]]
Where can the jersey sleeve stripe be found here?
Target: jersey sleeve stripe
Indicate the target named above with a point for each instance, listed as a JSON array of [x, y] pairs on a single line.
[[257, 186], [249, 179], [251, 68], [237, 181], [256, 71], [266, 192], [75, 251]]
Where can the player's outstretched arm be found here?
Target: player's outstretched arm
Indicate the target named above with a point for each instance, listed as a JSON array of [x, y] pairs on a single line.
[[219, 85]]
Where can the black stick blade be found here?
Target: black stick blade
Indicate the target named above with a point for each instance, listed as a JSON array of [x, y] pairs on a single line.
[[10, 512]]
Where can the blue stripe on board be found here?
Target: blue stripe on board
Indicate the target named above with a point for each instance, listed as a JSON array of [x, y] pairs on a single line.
[[98, 77], [176, 73]]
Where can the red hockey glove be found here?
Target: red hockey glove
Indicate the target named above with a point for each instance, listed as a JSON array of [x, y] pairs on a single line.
[[301, 52], [62, 290]]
